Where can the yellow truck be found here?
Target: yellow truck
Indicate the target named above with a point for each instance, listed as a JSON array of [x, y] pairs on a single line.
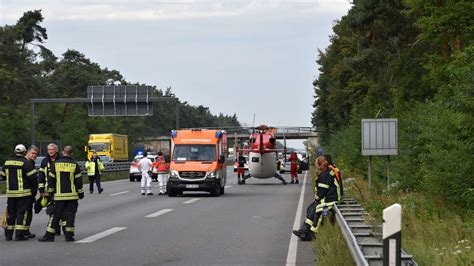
[[111, 147]]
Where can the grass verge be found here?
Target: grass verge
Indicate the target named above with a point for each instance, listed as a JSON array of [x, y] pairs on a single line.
[[110, 176], [330, 246], [434, 232]]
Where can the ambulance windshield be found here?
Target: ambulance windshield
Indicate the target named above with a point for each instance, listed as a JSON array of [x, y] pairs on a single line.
[[194, 152]]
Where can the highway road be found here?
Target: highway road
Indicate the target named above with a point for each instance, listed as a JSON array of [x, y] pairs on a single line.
[[249, 225]]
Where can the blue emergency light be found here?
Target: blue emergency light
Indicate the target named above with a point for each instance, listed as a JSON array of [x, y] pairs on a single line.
[[219, 134], [174, 133]]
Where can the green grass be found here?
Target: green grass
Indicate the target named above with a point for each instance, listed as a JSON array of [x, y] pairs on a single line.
[[112, 176], [330, 247], [434, 232]]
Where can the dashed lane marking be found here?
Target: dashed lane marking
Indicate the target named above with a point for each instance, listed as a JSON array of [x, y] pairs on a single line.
[[158, 213], [101, 235], [118, 193], [191, 201], [229, 186]]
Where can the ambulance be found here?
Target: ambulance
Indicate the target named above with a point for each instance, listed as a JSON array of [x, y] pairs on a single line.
[[198, 161]]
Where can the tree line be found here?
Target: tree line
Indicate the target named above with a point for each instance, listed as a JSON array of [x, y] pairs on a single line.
[[28, 69], [411, 60]]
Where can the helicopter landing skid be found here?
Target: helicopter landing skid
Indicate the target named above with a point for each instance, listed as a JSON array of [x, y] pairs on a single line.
[[280, 178]]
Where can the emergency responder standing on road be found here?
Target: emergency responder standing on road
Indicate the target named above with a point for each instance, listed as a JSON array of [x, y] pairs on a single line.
[[43, 175], [31, 156], [162, 169], [65, 186], [145, 166], [241, 169], [294, 167], [21, 187], [94, 168], [325, 198]]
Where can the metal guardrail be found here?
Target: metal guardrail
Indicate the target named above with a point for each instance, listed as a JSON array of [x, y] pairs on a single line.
[[109, 167], [364, 240]]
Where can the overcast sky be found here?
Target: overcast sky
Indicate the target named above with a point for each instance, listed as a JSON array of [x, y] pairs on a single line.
[[234, 56]]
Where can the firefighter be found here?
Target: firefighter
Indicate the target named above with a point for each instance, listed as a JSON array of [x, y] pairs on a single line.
[[31, 156], [241, 161], [22, 185], [145, 166], [65, 186], [294, 167], [44, 170], [333, 167], [325, 198], [94, 168], [162, 168]]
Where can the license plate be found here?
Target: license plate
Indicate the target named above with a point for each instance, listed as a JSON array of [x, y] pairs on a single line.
[[192, 186]]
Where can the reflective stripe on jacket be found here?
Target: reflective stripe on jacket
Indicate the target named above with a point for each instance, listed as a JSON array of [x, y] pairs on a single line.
[[65, 179], [21, 177], [90, 166]]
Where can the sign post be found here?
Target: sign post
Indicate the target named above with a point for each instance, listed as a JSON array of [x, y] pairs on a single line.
[[379, 137]]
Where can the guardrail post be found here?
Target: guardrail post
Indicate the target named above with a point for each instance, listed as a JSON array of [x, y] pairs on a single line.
[[392, 235]]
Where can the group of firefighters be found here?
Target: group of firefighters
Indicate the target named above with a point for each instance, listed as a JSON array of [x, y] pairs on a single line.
[[59, 183]]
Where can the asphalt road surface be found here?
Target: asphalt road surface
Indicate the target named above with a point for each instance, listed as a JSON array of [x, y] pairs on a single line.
[[249, 225]]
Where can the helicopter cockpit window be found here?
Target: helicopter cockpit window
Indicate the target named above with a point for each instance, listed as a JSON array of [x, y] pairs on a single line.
[[194, 152]]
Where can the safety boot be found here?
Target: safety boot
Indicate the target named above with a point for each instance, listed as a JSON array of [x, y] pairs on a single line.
[[20, 235], [48, 237], [29, 234], [297, 182], [309, 236], [69, 236], [303, 233], [8, 235]]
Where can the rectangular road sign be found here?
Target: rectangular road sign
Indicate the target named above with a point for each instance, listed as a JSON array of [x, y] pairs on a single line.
[[121, 100], [379, 136]]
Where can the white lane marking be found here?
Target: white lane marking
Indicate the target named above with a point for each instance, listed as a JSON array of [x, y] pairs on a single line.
[[118, 193], [158, 213], [191, 201], [101, 235], [293, 247], [229, 186]]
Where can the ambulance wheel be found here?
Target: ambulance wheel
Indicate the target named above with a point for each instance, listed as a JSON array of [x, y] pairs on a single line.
[[172, 193], [215, 192], [132, 179], [222, 190]]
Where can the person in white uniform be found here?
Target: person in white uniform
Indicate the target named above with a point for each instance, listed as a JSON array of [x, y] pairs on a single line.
[[145, 165]]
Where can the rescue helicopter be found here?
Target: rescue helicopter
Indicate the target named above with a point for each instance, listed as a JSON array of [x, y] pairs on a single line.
[[262, 154]]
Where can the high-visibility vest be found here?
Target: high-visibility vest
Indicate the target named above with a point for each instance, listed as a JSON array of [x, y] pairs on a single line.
[[90, 166]]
